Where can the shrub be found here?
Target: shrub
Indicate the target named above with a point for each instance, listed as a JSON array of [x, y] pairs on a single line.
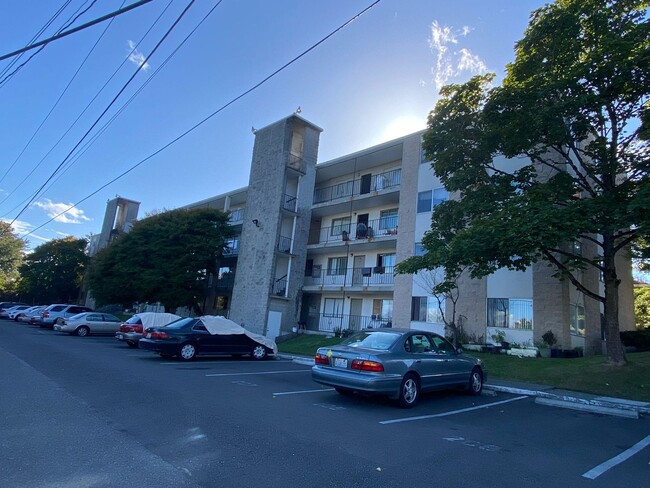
[[549, 338], [639, 339]]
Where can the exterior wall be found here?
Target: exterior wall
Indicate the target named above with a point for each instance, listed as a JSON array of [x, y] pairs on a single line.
[[551, 305]]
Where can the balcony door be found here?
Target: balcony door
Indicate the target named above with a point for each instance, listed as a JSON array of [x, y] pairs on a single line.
[[357, 271], [355, 313]]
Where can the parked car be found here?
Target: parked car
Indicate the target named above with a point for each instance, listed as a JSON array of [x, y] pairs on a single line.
[[399, 363], [6, 313], [59, 311], [6, 305], [86, 323], [189, 337], [19, 310], [27, 315], [132, 330]]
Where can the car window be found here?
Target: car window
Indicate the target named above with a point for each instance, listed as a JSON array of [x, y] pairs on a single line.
[[199, 326], [77, 316], [179, 324], [372, 340], [134, 320], [57, 308], [110, 318], [443, 345], [420, 343], [93, 317], [76, 310]]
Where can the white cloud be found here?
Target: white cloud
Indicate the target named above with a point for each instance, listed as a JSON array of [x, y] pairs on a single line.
[[60, 212], [136, 57], [451, 63]]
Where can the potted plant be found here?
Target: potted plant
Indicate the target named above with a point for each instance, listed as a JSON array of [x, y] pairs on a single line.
[[549, 341]]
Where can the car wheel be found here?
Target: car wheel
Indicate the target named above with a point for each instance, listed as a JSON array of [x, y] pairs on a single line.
[[82, 331], [409, 391], [187, 352], [344, 392], [259, 352], [475, 385], [132, 343]]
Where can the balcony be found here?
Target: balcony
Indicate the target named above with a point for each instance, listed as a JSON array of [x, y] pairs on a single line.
[[284, 244], [379, 182], [336, 322], [232, 249], [342, 233], [296, 163], [236, 216], [352, 277], [279, 287], [290, 203]]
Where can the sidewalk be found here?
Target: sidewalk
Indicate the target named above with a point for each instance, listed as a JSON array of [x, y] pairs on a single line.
[[548, 395]]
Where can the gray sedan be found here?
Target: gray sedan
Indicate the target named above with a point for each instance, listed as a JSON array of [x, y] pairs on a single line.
[[399, 363], [86, 323]]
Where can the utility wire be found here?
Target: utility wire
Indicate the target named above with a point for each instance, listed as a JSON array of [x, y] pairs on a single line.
[[65, 90], [70, 21], [109, 106], [76, 29], [194, 127]]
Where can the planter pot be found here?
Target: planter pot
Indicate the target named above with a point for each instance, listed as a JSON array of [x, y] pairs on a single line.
[[556, 353], [522, 353], [545, 352]]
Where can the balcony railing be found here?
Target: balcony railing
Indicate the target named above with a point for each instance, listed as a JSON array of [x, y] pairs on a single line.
[[232, 249], [338, 322], [378, 182], [382, 227], [236, 216], [289, 202], [297, 163], [366, 276], [284, 244], [279, 287]]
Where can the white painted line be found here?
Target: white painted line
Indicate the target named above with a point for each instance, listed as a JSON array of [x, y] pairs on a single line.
[[302, 391], [453, 412], [177, 363], [261, 372], [592, 474]]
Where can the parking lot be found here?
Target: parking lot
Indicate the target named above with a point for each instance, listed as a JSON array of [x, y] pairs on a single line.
[[92, 412]]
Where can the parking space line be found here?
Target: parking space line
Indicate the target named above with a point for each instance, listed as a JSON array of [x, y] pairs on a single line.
[[453, 412], [302, 391], [594, 473], [261, 372], [213, 362]]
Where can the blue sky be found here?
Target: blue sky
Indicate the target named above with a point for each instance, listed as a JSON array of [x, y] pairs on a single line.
[[373, 81]]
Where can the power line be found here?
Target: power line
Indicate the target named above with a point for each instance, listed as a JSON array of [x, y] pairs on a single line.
[[76, 29], [204, 120], [109, 106]]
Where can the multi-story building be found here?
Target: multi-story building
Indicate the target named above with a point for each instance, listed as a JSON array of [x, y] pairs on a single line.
[[317, 245]]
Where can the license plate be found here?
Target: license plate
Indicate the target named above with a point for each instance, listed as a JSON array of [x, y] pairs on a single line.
[[340, 363], [120, 336]]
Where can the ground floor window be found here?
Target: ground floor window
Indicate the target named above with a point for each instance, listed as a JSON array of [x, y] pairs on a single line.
[[577, 319], [427, 309], [512, 313], [333, 307]]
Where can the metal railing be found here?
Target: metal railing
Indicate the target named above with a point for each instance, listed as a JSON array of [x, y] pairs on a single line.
[[338, 322], [279, 287], [284, 244], [289, 202], [236, 216], [382, 227], [232, 249], [366, 276], [378, 182], [296, 162]]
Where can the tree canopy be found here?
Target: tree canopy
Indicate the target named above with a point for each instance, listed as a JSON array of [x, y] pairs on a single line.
[[52, 272], [165, 258], [568, 118], [11, 256]]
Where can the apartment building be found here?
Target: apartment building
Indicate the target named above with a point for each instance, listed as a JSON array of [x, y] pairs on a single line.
[[317, 244]]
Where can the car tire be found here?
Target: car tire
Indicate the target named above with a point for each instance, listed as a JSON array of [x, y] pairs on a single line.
[[259, 353], [475, 384], [187, 352], [132, 344], [344, 391], [82, 331], [409, 391]]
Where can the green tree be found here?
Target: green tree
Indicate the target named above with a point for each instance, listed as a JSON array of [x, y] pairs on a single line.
[[165, 258], [568, 112], [11, 256], [642, 306], [53, 272]]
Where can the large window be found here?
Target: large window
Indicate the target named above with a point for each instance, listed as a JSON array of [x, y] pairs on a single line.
[[577, 319], [426, 309], [340, 225], [337, 266], [388, 219], [429, 199], [513, 313], [333, 307]]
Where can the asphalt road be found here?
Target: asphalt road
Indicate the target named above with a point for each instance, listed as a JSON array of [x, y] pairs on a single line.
[[90, 412]]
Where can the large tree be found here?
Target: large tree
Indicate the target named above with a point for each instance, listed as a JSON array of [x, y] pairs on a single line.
[[11, 256], [568, 112], [165, 258], [52, 272]]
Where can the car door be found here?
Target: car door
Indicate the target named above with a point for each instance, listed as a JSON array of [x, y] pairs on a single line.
[[203, 338], [428, 365], [456, 369], [111, 323]]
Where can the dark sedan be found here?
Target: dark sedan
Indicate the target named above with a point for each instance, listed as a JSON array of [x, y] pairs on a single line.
[[187, 338], [399, 363]]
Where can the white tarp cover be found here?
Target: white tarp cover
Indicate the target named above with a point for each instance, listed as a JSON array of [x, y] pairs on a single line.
[[224, 326], [155, 319]]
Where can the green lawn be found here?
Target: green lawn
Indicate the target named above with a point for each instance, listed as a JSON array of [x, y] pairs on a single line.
[[589, 374]]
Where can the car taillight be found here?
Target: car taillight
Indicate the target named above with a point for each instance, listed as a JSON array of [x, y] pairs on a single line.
[[364, 365], [46, 315], [321, 359], [138, 329], [159, 335]]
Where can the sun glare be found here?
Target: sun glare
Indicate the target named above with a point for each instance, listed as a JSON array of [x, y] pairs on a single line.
[[401, 126]]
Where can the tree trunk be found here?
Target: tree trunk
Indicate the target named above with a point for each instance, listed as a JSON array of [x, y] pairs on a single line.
[[615, 351]]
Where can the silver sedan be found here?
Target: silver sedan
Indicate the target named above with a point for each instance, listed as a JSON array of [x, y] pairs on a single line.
[[86, 323], [399, 363]]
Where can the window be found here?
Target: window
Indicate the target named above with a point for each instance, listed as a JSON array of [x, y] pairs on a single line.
[[340, 225], [386, 260], [221, 302], [382, 310], [337, 266], [419, 249], [419, 343], [577, 319], [423, 156], [426, 309], [388, 219], [443, 345], [428, 200], [333, 307], [514, 313]]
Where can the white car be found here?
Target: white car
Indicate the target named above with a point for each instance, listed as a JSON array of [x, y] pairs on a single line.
[[17, 312], [86, 323], [26, 316], [7, 313]]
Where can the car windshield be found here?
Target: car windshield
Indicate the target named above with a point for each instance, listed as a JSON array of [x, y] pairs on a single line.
[[372, 340], [134, 320], [179, 324]]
